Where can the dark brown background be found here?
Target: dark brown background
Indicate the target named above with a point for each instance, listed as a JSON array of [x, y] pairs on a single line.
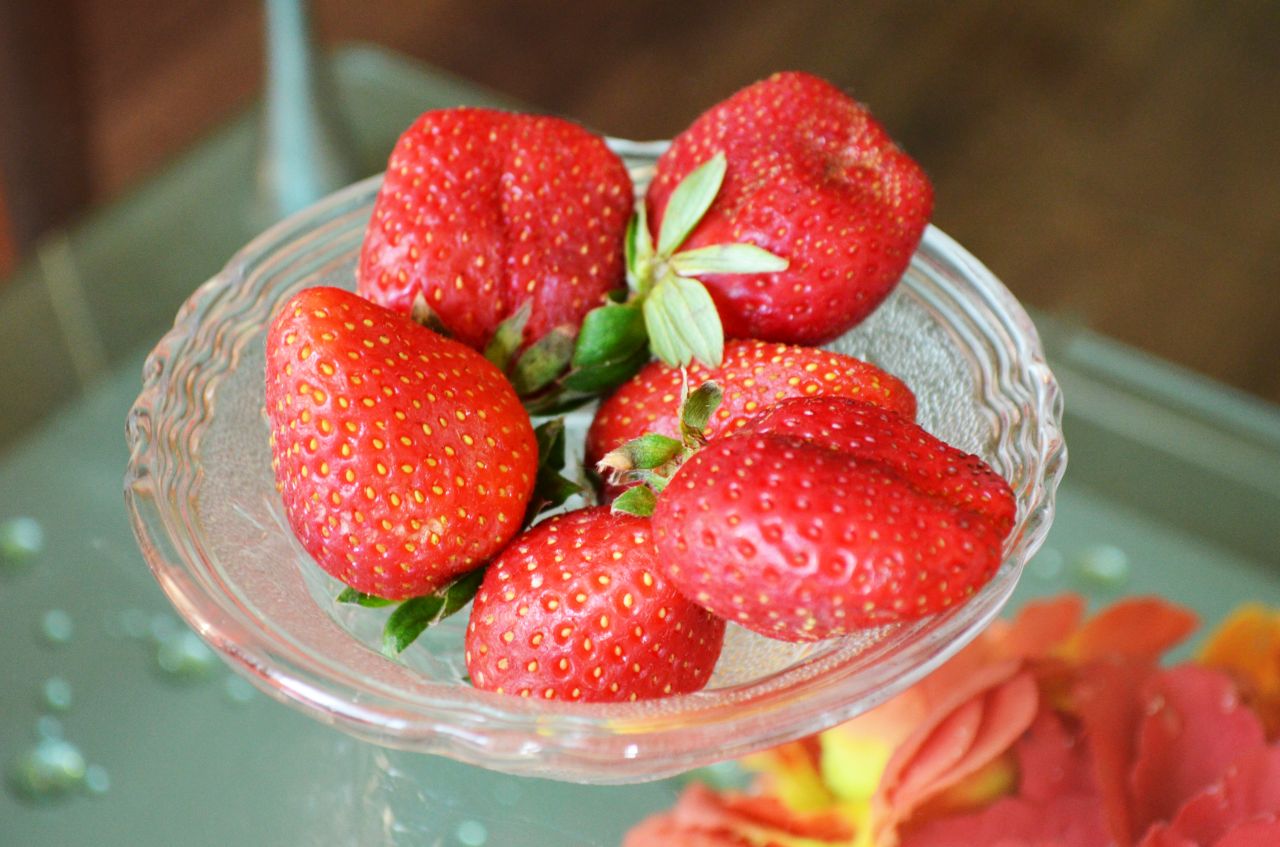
[[1113, 163]]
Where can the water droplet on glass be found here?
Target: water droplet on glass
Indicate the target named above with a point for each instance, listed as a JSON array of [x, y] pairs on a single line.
[[472, 834], [162, 627], [97, 780], [49, 771], [20, 539], [57, 627], [47, 726], [183, 656], [57, 694], [132, 623], [1103, 566], [238, 690]]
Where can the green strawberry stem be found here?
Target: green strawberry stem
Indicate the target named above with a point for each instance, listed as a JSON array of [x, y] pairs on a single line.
[[649, 451], [638, 500], [689, 202], [649, 462], [680, 317], [411, 617], [369, 601], [696, 410], [559, 372], [506, 340], [667, 311], [551, 489], [544, 360], [421, 312]]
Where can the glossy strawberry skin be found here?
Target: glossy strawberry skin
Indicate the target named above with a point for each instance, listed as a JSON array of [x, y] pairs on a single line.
[[577, 608], [827, 516], [404, 459], [754, 375], [814, 178], [481, 210], [932, 466]]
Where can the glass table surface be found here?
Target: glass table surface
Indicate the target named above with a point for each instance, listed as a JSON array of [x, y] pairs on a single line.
[[1172, 488]]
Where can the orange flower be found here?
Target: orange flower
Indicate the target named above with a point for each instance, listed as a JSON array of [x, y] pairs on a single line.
[[944, 746], [968, 714], [962, 738], [1247, 645], [1055, 804], [1049, 729]]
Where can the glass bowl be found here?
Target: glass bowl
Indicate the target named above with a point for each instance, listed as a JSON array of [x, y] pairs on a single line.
[[200, 492]]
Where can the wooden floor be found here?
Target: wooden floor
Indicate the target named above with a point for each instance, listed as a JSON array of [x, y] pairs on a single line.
[[1113, 163]]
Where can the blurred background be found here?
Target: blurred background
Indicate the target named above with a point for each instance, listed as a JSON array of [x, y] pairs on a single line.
[[1112, 163]]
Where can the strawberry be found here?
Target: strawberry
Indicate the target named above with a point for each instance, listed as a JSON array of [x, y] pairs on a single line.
[[753, 376], [483, 211], [404, 459], [826, 515], [877, 435], [812, 178], [578, 608]]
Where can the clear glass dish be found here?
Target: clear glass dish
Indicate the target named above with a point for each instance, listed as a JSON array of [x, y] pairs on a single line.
[[200, 493]]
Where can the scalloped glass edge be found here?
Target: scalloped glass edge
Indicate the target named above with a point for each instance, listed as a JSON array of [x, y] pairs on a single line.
[[593, 743]]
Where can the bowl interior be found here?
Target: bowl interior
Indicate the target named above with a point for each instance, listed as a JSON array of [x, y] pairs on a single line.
[[212, 527]]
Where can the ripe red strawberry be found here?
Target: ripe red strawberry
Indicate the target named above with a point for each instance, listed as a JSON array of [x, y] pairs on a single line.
[[577, 608], [404, 458], [482, 210], [753, 376], [828, 515], [814, 179]]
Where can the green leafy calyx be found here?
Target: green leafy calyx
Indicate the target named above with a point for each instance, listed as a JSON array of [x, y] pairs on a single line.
[[680, 315], [664, 311], [551, 488], [412, 617], [638, 500], [648, 463]]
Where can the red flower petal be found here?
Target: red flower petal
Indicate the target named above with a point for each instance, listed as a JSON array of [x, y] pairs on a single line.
[[1162, 835], [1256, 833], [1064, 821], [957, 742], [1106, 699], [1041, 626], [1193, 728], [1052, 762], [913, 777], [1141, 627], [1248, 790], [1007, 712]]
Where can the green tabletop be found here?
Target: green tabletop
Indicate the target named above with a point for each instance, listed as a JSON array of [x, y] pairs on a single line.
[[1173, 486]]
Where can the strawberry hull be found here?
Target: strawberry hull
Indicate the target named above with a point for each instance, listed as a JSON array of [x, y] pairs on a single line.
[[754, 376]]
